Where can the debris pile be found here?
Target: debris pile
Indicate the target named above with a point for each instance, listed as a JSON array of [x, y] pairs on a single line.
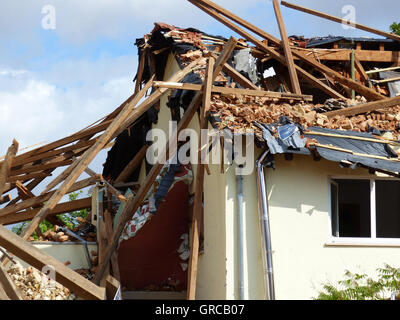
[[238, 113], [35, 285]]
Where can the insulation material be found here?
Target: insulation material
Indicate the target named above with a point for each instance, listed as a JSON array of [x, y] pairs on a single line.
[[245, 63], [358, 147]]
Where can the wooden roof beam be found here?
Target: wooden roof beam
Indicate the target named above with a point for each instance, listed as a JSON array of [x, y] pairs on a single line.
[[341, 21], [38, 259]]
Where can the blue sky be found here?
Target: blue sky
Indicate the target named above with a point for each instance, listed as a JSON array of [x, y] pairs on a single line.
[[55, 82]]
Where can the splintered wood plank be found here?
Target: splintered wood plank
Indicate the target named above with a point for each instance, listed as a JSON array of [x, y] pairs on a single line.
[[83, 134], [133, 203], [366, 107], [42, 198], [276, 55], [239, 78], [27, 177], [39, 167], [341, 21], [9, 286], [286, 47], [129, 112], [56, 152], [198, 195], [140, 71], [6, 165], [38, 259]]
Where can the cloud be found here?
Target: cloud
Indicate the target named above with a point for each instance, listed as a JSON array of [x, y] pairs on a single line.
[[45, 106]]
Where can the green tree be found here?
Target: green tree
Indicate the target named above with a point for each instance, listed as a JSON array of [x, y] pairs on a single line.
[[69, 219], [395, 27], [361, 287]]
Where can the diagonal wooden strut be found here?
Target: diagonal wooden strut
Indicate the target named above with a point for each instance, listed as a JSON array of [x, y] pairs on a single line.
[[133, 204]]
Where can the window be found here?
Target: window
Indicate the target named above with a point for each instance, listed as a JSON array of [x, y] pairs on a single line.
[[363, 208]]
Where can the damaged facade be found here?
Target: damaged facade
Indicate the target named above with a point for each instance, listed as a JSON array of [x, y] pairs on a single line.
[[324, 117]]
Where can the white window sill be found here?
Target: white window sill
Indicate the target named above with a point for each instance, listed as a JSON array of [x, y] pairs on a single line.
[[362, 242]]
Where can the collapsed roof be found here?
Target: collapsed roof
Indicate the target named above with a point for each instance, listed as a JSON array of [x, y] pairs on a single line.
[[337, 108]]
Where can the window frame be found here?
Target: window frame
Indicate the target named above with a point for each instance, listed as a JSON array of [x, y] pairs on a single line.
[[358, 241]]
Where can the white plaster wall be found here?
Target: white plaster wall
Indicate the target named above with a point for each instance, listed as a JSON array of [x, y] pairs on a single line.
[[63, 252], [299, 202]]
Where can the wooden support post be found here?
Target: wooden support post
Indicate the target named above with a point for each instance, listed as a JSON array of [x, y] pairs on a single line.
[[198, 195], [133, 203], [38, 259], [114, 258], [341, 21], [9, 286], [6, 165], [286, 47], [307, 76], [366, 107]]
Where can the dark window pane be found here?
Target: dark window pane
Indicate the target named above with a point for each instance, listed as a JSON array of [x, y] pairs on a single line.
[[354, 208], [334, 209], [388, 209]]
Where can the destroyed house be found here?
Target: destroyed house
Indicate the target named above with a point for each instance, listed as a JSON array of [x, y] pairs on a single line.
[[303, 182]]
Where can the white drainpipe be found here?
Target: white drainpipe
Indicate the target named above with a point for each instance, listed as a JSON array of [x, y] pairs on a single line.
[[265, 229]]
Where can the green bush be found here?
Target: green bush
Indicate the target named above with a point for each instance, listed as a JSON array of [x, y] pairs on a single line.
[[395, 27], [69, 219], [361, 287]]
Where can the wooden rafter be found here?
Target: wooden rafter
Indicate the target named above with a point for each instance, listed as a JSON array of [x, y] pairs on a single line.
[[341, 21], [307, 76], [286, 47], [364, 108], [38, 259], [134, 203], [227, 90]]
